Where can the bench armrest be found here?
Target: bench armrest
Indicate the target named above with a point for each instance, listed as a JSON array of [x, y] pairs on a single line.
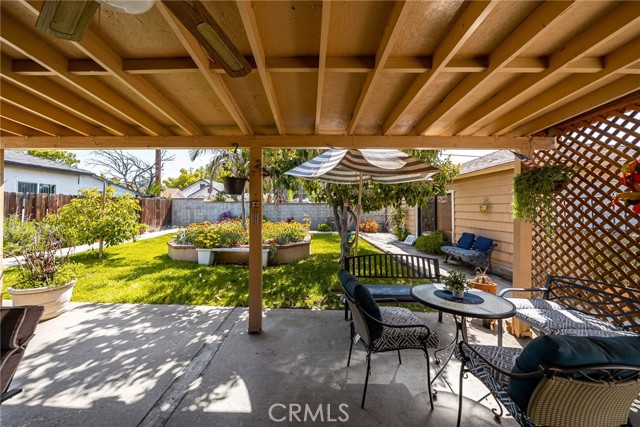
[[509, 290]]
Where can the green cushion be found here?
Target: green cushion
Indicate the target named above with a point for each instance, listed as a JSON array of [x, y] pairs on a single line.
[[362, 296], [482, 244], [566, 351], [466, 240]]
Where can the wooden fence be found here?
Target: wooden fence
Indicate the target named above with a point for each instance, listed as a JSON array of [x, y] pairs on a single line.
[[593, 239], [155, 212]]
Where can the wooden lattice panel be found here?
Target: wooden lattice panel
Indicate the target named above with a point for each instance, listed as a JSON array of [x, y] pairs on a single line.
[[593, 239]]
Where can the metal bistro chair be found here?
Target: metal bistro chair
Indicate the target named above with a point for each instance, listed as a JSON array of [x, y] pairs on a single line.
[[594, 395], [382, 329]]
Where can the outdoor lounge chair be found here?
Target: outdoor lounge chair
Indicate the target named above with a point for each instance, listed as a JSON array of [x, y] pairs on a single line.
[[559, 381], [17, 325], [382, 329]]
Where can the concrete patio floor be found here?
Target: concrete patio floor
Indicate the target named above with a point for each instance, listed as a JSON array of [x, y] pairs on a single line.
[[167, 365]]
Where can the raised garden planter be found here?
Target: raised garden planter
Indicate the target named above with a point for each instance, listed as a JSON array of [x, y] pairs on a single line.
[[239, 255], [178, 252], [293, 252]]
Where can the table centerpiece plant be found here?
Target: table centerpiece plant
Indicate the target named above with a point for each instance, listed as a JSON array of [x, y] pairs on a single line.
[[456, 282]]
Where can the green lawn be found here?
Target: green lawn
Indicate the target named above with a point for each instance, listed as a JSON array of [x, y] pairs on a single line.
[[142, 272]]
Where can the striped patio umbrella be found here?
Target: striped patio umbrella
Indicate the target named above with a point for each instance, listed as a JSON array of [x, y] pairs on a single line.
[[386, 166]]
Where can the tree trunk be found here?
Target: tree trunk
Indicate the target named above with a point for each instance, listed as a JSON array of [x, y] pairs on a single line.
[[300, 193], [100, 247], [342, 226], [159, 167], [244, 214]]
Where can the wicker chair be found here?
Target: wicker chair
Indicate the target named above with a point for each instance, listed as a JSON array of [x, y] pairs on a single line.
[[400, 329], [590, 395]]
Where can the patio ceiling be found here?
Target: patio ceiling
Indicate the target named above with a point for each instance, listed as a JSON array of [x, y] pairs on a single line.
[[432, 74]]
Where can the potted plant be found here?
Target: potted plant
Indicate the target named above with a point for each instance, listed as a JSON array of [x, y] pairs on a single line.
[[44, 278], [456, 282], [534, 190]]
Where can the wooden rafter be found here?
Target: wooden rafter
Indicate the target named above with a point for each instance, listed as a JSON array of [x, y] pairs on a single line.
[[571, 88], [322, 59], [34, 47], [470, 19], [60, 96], [18, 129], [36, 105], [201, 61], [618, 89], [391, 31], [251, 28], [623, 18], [97, 49], [507, 51], [279, 141], [11, 112]]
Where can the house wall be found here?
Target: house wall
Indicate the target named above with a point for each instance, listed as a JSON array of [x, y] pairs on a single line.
[[497, 222], [65, 183]]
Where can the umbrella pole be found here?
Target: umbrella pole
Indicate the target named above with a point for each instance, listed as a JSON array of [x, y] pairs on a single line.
[[358, 215]]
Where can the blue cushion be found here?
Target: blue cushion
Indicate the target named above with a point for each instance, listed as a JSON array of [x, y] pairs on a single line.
[[565, 351], [482, 244], [466, 240], [362, 296]]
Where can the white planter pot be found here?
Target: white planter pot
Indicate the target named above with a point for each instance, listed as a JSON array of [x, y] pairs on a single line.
[[54, 299], [205, 256]]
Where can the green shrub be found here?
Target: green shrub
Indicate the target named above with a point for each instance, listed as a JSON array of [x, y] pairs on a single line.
[[431, 243], [17, 235], [398, 223], [324, 227]]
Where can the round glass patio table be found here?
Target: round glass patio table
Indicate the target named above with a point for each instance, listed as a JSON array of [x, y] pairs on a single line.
[[476, 304]]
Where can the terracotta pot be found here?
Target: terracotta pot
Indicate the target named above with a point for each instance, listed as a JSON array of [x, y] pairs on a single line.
[[234, 185], [54, 299]]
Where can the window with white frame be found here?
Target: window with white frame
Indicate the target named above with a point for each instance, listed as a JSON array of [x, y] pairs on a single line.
[[27, 187]]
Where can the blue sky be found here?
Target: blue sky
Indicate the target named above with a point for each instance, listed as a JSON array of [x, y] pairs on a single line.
[[172, 169]]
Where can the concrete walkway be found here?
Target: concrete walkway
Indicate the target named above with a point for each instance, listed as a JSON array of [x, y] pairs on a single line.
[[167, 365]]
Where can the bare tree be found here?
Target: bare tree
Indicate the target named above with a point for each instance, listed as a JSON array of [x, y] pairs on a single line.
[[128, 169]]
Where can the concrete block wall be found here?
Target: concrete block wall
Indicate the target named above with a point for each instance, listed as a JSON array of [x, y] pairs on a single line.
[[187, 211]]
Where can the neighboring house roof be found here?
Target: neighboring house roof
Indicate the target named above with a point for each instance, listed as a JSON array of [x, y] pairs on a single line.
[[200, 185], [23, 159], [175, 193], [496, 158]]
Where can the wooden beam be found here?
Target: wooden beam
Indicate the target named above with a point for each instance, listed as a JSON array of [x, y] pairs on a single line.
[[29, 44], [563, 92], [322, 60], [61, 96], [200, 59], [255, 240], [278, 141], [18, 129], [310, 64], [251, 28], [618, 89], [618, 21], [22, 99], [388, 40], [527, 33], [16, 114], [470, 19]]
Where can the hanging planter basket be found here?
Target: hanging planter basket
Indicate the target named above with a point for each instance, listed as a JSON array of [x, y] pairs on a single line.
[[234, 185]]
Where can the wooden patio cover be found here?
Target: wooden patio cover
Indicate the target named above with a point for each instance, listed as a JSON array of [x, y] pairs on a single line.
[[395, 74]]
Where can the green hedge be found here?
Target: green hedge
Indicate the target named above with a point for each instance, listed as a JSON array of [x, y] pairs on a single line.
[[431, 243]]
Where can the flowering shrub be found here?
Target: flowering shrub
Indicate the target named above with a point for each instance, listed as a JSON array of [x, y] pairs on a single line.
[[282, 233], [324, 227], [226, 216], [223, 234], [369, 225]]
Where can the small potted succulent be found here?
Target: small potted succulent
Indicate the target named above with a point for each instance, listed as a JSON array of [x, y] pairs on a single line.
[[456, 282]]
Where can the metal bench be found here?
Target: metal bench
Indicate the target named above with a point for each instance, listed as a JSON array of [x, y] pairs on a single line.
[[473, 255], [391, 266]]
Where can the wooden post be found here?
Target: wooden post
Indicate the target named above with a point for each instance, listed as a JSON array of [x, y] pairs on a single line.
[[1, 221], [255, 241], [522, 260]]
